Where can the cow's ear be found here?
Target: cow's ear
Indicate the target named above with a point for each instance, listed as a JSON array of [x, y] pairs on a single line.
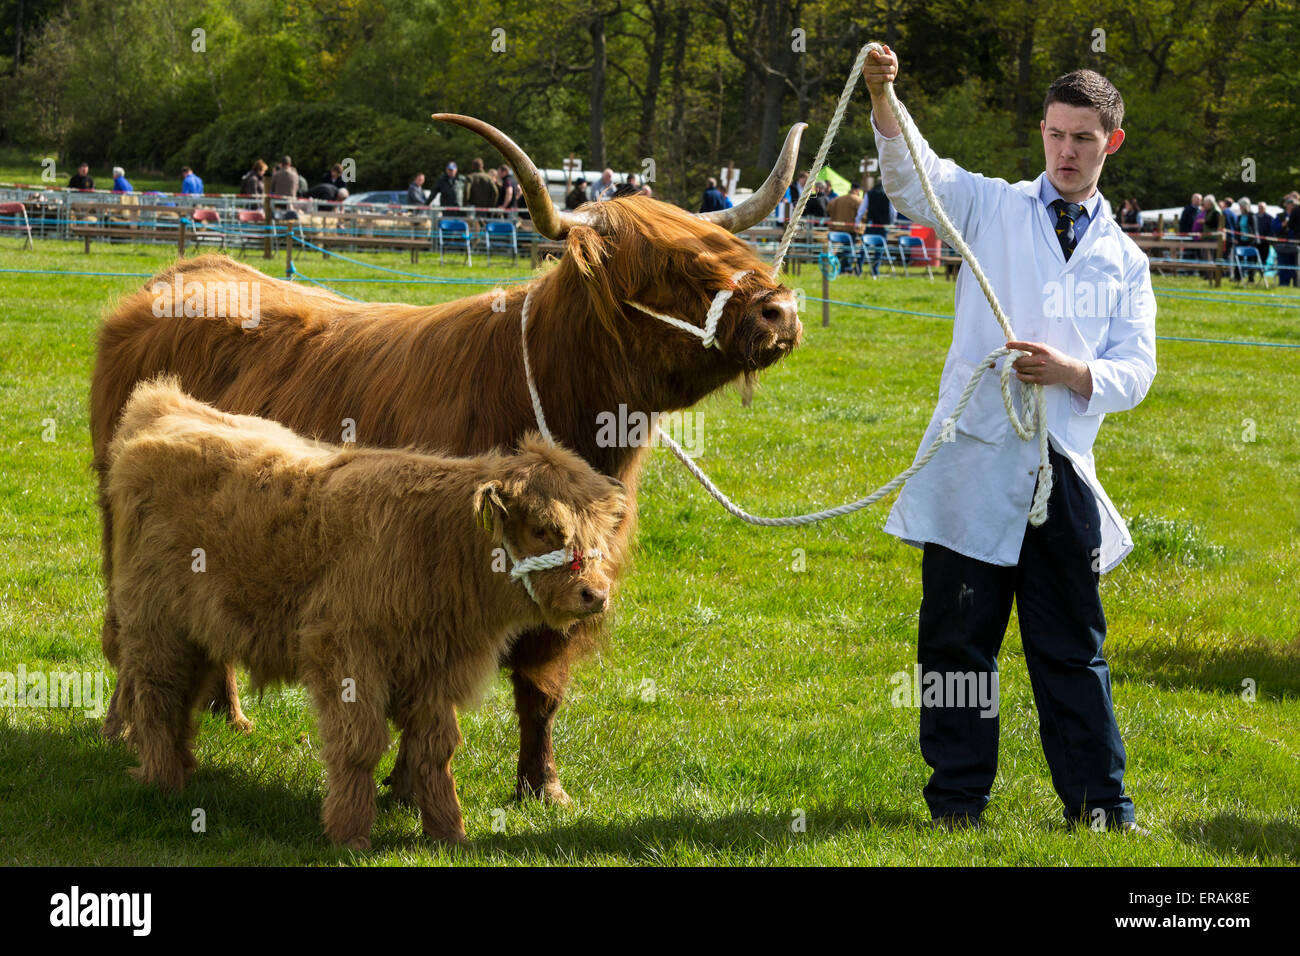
[[490, 509]]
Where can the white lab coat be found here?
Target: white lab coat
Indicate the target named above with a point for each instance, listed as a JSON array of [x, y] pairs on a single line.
[[975, 494]]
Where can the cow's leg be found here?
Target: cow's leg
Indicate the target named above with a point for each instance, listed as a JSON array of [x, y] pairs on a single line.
[[223, 699], [539, 665]]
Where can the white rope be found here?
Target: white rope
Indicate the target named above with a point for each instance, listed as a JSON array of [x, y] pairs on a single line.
[[708, 334], [1033, 400], [522, 567]]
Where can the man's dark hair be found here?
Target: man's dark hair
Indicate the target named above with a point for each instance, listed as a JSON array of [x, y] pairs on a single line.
[[1088, 88]]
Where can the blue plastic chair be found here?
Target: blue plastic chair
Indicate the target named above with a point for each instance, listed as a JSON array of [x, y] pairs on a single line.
[[453, 232], [911, 247], [842, 245], [499, 227], [876, 248]]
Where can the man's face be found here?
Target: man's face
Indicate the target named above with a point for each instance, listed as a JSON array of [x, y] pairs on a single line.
[[1075, 147], [1196, 199], [83, 169]]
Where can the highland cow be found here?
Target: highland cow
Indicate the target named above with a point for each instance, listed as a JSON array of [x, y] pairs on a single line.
[[451, 376], [389, 582]]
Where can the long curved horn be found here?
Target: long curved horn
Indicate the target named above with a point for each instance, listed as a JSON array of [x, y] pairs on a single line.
[[764, 199], [550, 222]]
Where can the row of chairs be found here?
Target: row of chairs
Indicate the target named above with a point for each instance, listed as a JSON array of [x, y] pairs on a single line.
[[872, 249], [456, 234]]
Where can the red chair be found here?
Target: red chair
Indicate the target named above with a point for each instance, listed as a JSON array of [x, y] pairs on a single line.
[[211, 218], [16, 209]]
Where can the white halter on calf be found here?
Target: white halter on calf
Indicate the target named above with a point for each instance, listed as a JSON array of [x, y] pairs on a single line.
[[574, 557]]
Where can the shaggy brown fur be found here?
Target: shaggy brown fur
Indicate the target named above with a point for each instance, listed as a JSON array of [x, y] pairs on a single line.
[[366, 574], [451, 377]]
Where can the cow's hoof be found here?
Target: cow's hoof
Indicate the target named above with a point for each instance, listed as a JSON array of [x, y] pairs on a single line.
[[452, 839], [550, 792], [361, 844], [241, 724], [400, 790]]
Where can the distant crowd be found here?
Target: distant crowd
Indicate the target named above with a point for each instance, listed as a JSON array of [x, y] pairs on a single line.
[[1246, 226]]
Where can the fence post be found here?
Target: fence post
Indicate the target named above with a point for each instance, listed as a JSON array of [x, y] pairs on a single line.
[[180, 237], [288, 252], [826, 292], [268, 212]]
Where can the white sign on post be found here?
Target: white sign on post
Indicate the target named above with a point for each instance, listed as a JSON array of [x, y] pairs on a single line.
[[729, 184]]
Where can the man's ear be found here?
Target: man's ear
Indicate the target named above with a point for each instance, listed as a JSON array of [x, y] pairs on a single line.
[[1113, 141], [490, 509]]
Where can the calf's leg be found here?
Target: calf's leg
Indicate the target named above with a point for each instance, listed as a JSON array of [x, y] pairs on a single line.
[[355, 736], [222, 699], [431, 736], [160, 680]]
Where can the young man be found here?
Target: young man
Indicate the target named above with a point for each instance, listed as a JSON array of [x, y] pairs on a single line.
[[1078, 292]]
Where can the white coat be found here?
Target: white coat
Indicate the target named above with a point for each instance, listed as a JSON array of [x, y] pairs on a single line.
[[974, 495]]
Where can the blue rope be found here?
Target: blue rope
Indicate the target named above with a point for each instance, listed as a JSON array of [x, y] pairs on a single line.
[[295, 274]]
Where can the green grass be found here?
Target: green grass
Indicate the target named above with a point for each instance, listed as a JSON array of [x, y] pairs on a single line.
[[734, 690]]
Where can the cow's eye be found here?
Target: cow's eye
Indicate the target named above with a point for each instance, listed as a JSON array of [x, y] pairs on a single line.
[[537, 531]]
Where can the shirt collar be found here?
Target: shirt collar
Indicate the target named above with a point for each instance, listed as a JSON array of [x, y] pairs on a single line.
[[1048, 194]]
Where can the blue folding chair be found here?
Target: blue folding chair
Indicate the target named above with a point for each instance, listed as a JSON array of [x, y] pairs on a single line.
[[1246, 258], [876, 248], [454, 232], [842, 245], [506, 229], [910, 248]]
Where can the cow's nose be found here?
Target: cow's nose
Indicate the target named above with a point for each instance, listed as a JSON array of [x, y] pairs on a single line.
[[594, 599], [783, 315]]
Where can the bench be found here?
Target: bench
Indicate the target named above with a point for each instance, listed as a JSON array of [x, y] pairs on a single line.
[[371, 231], [1158, 248], [133, 223]]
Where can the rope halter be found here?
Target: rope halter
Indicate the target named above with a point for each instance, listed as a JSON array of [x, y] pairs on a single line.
[[708, 334], [522, 567]]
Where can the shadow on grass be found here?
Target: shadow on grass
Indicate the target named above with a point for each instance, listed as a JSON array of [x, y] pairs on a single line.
[[66, 797], [1230, 833], [1189, 662]]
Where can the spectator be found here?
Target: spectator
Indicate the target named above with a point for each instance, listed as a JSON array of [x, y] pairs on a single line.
[[83, 178], [843, 210], [605, 188], [335, 177], [1130, 216], [1263, 229], [1287, 230], [191, 185], [1229, 227], [647, 191], [1189, 214], [481, 191], [120, 183], [626, 189], [577, 195], [444, 187], [415, 192], [510, 191], [816, 208], [253, 183], [327, 191], [798, 186], [1247, 236], [285, 180], [713, 199], [880, 211]]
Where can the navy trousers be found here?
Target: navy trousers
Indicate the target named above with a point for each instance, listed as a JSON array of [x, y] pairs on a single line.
[[965, 607]]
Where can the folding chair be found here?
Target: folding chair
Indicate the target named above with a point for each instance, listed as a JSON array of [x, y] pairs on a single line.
[[874, 248], [1247, 258], [452, 232], [499, 227], [842, 245], [252, 229], [210, 218], [15, 210], [912, 248]]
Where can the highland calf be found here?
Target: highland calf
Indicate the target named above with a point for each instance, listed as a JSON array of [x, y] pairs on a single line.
[[388, 582]]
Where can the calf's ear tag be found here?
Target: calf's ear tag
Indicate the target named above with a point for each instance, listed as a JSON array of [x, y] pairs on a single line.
[[485, 516]]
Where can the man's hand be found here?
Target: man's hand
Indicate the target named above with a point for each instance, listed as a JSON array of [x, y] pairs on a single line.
[[1045, 365], [879, 69]]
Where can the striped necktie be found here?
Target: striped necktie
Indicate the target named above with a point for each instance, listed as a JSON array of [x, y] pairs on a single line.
[[1066, 214]]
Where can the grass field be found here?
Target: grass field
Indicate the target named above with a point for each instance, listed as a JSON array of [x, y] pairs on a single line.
[[736, 691]]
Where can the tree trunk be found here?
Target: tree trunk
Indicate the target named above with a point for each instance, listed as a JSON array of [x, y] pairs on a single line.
[[660, 21], [597, 113]]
